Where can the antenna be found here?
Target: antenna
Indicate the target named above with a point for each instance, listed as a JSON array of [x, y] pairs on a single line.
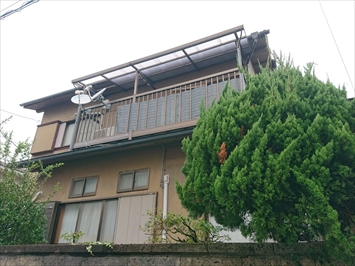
[[83, 96], [96, 96]]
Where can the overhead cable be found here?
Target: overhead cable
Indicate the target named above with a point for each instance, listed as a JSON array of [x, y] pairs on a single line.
[[337, 46], [9, 6], [27, 4], [20, 116]]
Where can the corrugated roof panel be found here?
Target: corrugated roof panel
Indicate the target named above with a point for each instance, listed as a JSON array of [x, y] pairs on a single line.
[[166, 66], [172, 73], [159, 60], [211, 44], [124, 79], [214, 52], [92, 80], [120, 72], [216, 60]]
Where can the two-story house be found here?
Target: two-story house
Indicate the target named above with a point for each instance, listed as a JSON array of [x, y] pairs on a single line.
[[119, 131]]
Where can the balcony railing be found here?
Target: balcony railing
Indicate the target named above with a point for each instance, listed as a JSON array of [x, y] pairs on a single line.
[[169, 108]]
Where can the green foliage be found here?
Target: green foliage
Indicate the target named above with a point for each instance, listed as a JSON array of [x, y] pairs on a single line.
[[73, 238], [289, 172], [22, 219], [90, 244], [181, 229]]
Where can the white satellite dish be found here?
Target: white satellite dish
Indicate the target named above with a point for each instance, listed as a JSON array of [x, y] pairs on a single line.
[[81, 99]]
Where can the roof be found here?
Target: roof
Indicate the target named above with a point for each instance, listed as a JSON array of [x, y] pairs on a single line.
[[192, 56]]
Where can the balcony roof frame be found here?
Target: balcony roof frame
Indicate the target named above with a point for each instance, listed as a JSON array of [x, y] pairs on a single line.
[[182, 49], [107, 82]]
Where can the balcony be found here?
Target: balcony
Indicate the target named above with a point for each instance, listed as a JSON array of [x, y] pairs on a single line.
[[156, 111]]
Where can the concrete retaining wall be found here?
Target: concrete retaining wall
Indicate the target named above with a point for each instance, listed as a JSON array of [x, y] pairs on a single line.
[[233, 254]]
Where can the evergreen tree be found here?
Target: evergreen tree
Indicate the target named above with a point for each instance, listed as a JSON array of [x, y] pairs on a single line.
[[288, 172]]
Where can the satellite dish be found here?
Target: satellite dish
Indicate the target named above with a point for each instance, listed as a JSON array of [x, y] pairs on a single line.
[[81, 99]]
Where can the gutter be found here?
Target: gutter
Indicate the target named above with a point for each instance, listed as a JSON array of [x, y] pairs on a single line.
[[46, 98]]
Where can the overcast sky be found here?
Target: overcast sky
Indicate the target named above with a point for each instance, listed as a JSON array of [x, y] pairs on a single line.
[[50, 43]]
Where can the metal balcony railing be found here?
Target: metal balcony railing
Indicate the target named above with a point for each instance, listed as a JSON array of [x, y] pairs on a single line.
[[169, 108]]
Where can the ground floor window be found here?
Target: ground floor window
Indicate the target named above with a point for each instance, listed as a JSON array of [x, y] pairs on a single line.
[[93, 218], [114, 220]]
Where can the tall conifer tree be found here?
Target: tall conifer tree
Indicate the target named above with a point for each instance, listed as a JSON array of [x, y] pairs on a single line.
[[288, 170]]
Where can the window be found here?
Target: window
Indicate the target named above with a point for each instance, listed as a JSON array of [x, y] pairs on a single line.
[[115, 220], [68, 133], [65, 133], [97, 219], [133, 180], [83, 187]]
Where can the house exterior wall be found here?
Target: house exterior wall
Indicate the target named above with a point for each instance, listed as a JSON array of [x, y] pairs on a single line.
[[107, 167], [64, 111], [158, 158], [163, 157], [45, 137], [119, 133]]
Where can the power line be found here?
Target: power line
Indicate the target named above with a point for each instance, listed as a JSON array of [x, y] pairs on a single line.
[[336, 46], [18, 9], [20, 115], [9, 6]]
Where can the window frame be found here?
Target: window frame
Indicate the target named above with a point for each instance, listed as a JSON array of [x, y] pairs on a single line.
[[62, 130], [83, 193], [61, 211], [133, 187], [106, 222]]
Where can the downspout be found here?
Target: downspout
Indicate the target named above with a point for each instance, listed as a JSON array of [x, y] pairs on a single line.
[[255, 38], [164, 184], [240, 64], [76, 127], [165, 204]]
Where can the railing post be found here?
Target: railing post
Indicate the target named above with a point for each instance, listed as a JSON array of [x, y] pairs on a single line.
[[76, 127], [135, 86]]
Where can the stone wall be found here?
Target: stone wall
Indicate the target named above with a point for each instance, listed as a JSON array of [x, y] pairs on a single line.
[[233, 254]]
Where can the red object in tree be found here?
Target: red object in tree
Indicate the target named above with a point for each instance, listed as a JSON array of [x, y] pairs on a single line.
[[222, 155]]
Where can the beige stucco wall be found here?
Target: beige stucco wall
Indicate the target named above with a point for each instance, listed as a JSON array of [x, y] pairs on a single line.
[[108, 167], [45, 137], [65, 111]]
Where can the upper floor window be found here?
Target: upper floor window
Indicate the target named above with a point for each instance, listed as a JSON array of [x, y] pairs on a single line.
[[68, 133], [65, 133], [83, 187], [133, 180]]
